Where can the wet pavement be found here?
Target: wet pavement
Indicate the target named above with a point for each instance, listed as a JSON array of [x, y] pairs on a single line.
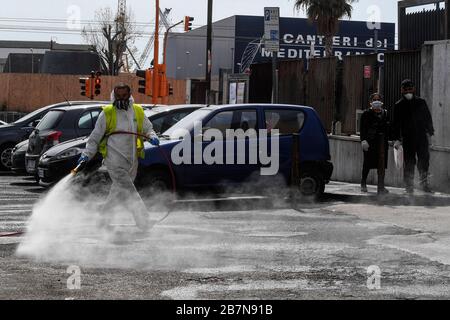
[[240, 247]]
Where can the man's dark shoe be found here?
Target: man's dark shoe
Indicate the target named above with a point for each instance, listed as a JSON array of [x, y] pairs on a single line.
[[364, 186], [383, 191], [409, 190], [427, 189]]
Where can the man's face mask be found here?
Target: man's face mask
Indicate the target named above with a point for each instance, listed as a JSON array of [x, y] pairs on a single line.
[[409, 96], [121, 100]]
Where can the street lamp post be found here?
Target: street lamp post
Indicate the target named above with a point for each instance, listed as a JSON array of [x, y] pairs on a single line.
[[188, 68]]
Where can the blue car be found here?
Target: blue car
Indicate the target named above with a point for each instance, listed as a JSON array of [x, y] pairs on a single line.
[[183, 161]]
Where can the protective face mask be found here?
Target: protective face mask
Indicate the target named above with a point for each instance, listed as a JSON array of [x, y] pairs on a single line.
[[409, 96], [377, 105], [122, 104]]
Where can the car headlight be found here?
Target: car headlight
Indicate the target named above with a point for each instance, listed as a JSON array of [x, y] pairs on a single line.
[[69, 153]]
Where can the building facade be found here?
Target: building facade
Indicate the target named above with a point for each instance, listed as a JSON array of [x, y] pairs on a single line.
[[237, 43]]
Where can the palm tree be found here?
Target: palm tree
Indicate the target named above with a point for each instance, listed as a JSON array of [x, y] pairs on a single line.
[[326, 13]]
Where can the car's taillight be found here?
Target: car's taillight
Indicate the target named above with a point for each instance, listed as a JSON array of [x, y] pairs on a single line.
[[53, 137]]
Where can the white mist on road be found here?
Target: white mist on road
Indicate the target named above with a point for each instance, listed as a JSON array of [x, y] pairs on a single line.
[[64, 227]]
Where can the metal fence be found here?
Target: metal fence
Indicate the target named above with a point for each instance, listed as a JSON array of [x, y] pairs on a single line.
[[417, 27], [8, 116], [335, 89]]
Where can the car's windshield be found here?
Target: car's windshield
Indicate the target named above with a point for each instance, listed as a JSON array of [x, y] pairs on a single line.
[[31, 115], [187, 123]]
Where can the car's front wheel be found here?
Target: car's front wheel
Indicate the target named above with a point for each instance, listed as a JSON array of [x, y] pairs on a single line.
[[5, 156]]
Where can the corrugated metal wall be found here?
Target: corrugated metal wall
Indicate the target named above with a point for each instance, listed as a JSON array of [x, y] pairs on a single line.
[[398, 66], [334, 89], [418, 27], [356, 89], [321, 83], [292, 84]]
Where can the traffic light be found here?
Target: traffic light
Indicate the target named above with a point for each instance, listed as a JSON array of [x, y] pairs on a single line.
[[188, 23], [86, 87], [98, 84], [170, 89], [145, 86]]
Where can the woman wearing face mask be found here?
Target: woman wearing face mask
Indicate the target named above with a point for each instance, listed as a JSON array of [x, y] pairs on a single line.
[[374, 141]]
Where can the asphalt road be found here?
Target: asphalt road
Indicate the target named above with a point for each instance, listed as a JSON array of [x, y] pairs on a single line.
[[238, 248]]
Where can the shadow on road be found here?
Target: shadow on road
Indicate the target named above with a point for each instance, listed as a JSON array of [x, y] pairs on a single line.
[[390, 200], [224, 202]]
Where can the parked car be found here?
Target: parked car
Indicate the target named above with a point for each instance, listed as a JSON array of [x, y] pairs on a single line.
[[314, 151], [59, 125], [13, 133], [3, 123], [59, 160], [18, 158]]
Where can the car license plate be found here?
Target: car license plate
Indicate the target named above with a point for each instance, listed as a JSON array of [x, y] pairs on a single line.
[[31, 165], [41, 173]]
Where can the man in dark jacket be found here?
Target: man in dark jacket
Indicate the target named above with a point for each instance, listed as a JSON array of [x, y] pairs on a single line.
[[413, 128]]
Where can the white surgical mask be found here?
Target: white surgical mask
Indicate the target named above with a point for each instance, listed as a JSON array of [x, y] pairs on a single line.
[[377, 105], [409, 96]]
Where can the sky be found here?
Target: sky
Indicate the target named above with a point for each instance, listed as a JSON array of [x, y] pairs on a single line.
[[63, 19]]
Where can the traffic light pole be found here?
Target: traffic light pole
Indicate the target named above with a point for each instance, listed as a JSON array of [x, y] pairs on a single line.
[[155, 58], [92, 84], [209, 52], [166, 36]]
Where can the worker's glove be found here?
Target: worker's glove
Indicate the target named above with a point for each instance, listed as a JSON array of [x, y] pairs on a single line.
[[365, 145], [83, 159], [154, 141], [397, 144]]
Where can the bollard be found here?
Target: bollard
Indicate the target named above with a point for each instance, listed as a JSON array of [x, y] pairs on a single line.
[[295, 166]]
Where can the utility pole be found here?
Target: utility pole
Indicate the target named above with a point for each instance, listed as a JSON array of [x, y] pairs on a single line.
[[209, 52], [155, 58], [447, 19]]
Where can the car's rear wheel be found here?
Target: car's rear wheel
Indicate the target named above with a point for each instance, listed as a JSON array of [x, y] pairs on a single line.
[[155, 188], [154, 182], [311, 185], [5, 156]]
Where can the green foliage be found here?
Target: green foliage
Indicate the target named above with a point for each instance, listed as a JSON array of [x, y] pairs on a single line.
[[326, 15]]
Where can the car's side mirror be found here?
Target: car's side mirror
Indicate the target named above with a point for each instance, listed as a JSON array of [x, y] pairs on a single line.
[[35, 123]]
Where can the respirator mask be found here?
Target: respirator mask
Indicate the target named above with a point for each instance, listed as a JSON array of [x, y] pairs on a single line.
[[122, 104], [121, 101]]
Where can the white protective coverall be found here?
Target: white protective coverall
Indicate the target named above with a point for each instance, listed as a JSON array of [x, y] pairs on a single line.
[[122, 163]]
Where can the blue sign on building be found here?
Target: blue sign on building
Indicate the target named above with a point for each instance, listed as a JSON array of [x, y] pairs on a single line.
[[299, 39]]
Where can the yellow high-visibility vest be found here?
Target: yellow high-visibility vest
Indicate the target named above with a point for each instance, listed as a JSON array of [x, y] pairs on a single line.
[[111, 124]]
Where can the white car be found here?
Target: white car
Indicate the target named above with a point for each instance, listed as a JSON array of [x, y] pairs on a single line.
[[3, 123]]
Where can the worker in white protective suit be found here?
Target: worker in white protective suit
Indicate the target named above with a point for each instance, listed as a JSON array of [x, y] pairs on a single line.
[[121, 152]]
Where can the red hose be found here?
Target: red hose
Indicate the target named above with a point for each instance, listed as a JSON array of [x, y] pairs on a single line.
[[172, 173], [11, 234]]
